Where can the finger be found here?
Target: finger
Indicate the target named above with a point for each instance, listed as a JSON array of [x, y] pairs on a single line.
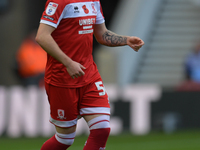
[[82, 67], [139, 47], [79, 74], [76, 75], [82, 73], [72, 77], [141, 42], [136, 48]]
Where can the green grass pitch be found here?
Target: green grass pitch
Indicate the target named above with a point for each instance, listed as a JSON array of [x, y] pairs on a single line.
[[181, 140]]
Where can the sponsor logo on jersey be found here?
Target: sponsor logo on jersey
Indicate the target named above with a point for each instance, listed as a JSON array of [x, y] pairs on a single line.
[[61, 114], [47, 17], [85, 9], [51, 8], [76, 9], [87, 21], [85, 31], [87, 25], [94, 11]]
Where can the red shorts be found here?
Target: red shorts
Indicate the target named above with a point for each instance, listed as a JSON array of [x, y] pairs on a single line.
[[67, 103]]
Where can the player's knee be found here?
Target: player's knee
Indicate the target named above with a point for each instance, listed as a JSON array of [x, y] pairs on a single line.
[[67, 139], [100, 123], [99, 132]]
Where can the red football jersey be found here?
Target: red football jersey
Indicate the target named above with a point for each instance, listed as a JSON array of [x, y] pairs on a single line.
[[73, 20]]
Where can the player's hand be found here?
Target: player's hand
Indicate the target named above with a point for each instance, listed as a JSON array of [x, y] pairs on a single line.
[[135, 43], [75, 69]]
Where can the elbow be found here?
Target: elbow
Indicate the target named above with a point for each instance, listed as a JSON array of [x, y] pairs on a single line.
[[38, 39], [101, 41]]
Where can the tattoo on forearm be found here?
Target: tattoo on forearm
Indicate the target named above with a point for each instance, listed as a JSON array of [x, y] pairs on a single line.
[[113, 39]]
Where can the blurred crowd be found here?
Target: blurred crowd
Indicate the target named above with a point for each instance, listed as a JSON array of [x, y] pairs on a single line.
[[192, 71], [30, 62]]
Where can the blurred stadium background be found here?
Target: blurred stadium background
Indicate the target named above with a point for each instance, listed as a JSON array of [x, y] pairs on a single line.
[[148, 112]]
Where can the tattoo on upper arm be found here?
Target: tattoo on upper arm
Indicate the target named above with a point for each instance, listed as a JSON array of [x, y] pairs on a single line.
[[113, 39]]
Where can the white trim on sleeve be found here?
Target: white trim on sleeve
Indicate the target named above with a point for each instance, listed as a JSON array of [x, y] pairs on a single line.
[[48, 23], [100, 21]]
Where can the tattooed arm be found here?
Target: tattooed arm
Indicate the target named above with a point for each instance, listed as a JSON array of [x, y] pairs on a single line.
[[108, 38], [112, 39]]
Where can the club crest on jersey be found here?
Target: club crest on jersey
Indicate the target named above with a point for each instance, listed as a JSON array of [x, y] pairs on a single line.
[[51, 8], [85, 9], [94, 11], [61, 114]]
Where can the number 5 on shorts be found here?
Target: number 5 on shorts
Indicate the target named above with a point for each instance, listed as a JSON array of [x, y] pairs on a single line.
[[100, 86]]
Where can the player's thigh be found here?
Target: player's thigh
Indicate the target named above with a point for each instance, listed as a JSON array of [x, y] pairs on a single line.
[[90, 117], [66, 130], [63, 106], [95, 100]]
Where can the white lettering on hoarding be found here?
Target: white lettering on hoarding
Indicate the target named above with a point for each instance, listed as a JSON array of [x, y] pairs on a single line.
[[26, 111], [23, 112], [46, 128], [140, 97]]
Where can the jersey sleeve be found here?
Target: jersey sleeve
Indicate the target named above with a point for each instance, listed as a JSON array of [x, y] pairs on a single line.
[[100, 17], [53, 13]]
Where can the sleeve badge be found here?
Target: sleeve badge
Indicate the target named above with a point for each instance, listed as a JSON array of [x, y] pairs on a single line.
[[51, 8]]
